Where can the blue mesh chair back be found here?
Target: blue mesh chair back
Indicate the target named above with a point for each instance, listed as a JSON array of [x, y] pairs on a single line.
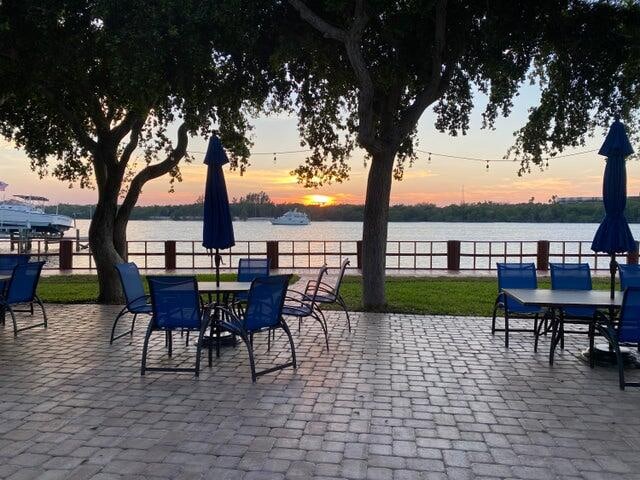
[[517, 275], [23, 283], [572, 276], [629, 325], [629, 276], [132, 285], [175, 302], [266, 297], [8, 261], [252, 268], [343, 269]]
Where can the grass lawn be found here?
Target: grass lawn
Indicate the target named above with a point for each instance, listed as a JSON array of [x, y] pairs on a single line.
[[438, 295], [426, 295], [84, 288]]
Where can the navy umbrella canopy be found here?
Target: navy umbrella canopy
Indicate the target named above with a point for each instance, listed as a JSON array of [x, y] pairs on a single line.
[[613, 235], [217, 229]]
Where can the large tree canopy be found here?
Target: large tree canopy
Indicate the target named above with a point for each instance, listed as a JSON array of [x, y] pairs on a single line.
[[86, 84], [366, 70]]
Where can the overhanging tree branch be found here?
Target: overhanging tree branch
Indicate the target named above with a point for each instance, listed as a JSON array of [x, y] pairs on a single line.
[[352, 40], [153, 171], [439, 78]]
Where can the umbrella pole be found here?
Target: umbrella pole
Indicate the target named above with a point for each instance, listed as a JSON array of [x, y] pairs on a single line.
[[217, 260], [613, 266]]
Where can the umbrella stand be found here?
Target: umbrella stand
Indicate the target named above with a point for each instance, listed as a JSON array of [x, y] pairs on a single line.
[[613, 267]]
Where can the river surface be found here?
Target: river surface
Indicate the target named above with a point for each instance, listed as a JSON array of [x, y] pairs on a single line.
[[351, 231], [415, 245]]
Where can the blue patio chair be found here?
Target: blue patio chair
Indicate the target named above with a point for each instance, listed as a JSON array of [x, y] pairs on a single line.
[[329, 294], [176, 306], [248, 270], [629, 276], [515, 275], [573, 276], [626, 330], [302, 305], [262, 314], [7, 262], [137, 300], [21, 289]]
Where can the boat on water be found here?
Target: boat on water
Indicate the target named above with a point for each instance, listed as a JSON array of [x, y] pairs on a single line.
[[292, 217], [25, 213]]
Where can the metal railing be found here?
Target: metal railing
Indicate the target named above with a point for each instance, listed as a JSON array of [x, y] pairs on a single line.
[[308, 254]]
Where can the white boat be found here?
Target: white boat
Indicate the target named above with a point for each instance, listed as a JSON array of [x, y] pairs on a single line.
[[292, 217], [27, 214]]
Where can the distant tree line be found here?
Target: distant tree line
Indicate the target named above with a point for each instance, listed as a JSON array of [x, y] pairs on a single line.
[[260, 205]]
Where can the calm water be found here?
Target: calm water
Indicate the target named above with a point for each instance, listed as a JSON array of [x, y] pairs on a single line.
[[436, 231], [330, 242]]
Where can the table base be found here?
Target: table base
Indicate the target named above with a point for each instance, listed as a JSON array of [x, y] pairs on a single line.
[[605, 357], [226, 340]]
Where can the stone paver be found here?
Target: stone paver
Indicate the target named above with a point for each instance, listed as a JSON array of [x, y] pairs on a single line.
[[402, 397]]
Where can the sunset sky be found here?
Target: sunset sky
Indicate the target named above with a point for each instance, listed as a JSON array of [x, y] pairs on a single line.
[[441, 181]]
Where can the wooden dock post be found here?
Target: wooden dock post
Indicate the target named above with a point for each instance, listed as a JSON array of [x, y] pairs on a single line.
[[453, 255], [170, 254], [542, 256], [359, 254], [632, 257], [273, 254], [65, 255]]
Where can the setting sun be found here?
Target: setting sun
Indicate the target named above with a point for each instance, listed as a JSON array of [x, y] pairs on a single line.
[[321, 200]]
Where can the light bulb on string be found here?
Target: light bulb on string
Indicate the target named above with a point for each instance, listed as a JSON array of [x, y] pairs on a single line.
[[487, 168], [274, 158], [429, 159]]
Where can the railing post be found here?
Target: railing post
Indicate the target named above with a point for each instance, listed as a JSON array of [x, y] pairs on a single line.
[[170, 254], [542, 256], [632, 257], [273, 254], [65, 255], [453, 255], [359, 254]]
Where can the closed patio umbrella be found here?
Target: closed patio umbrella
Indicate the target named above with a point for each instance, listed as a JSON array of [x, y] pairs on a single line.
[[613, 235], [217, 229]]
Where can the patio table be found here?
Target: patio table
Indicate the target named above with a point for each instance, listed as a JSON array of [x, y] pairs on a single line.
[[556, 300], [225, 289]]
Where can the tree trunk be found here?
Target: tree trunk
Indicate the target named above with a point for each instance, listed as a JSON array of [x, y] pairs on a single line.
[[101, 240], [120, 235], [374, 231]]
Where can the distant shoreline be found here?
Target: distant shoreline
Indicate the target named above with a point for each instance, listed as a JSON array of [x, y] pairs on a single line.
[[487, 212]]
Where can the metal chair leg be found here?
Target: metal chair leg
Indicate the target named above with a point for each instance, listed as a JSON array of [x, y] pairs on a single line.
[[592, 335], [620, 361], [145, 348], [285, 327], [506, 328], [13, 319], [115, 323], [495, 313], [344, 307]]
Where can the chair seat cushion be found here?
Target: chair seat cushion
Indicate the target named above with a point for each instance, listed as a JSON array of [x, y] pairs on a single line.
[[140, 308], [325, 298], [296, 310]]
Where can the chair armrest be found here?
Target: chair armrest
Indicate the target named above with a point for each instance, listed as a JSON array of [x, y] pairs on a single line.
[[235, 323], [147, 299], [302, 296]]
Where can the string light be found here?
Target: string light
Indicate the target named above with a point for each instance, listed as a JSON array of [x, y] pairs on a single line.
[[487, 165], [430, 154]]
